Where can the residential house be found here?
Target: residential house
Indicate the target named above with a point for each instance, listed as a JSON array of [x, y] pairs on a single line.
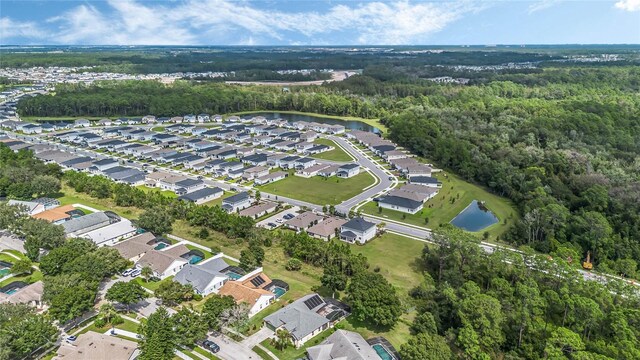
[[306, 317], [95, 346], [303, 221], [164, 263], [205, 278], [311, 171], [188, 185], [81, 123], [57, 215], [326, 229], [255, 159], [269, 178], [105, 164], [83, 224], [344, 345], [31, 207], [135, 247], [111, 234], [357, 230], [348, 170], [258, 210], [29, 295], [237, 202], [329, 171], [203, 195], [32, 129], [251, 291], [254, 172], [303, 163]]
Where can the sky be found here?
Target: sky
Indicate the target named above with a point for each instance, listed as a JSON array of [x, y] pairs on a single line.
[[318, 22]]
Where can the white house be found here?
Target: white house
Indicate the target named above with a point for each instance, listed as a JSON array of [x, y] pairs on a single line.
[[357, 230], [348, 170], [205, 278]]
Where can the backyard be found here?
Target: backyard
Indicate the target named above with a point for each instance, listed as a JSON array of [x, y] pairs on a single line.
[[319, 190], [441, 210]]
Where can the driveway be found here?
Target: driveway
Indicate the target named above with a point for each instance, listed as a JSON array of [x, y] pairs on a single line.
[[273, 219], [255, 339], [232, 350]]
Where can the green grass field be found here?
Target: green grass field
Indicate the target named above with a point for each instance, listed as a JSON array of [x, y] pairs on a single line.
[[318, 190], [151, 285], [29, 279], [166, 193], [291, 353], [73, 197], [127, 325], [441, 210], [337, 154]]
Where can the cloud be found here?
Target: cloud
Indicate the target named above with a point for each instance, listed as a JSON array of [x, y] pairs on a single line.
[[628, 5], [541, 5], [10, 29], [128, 22]]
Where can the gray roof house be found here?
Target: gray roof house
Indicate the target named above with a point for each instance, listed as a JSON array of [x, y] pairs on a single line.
[[237, 202], [305, 318], [343, 345], [205, 278], [203, 195], [357, 230], [84, 224]]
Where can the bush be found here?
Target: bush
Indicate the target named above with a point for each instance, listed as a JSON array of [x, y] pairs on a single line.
[[293, 265], [203, 233], [100, 323]]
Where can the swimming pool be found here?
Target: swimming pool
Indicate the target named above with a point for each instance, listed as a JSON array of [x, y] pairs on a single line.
[[194, 259], [382, 352], [278, 291], [160, 246], [233, 276]]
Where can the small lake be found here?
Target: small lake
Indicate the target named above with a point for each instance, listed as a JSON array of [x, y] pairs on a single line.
[[349, 124], [474, 218]]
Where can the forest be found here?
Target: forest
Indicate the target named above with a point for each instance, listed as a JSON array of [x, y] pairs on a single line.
[[562, 143]]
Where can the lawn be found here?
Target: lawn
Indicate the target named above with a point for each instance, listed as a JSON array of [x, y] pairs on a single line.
[[337, 154], [263, 355], [16, 253], [218, 201], [151, 285], [127, 325], [441, 210], [204, 353], [166, 193], [73, 197], [8, 258], [319, 190], [29, 279], [397, 257]]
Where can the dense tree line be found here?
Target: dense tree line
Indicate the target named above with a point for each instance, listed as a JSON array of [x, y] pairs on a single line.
[[476, 305], [23, 331], [24, 177]]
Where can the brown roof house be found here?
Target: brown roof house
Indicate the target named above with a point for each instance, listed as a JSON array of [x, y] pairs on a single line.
[[250, 291]]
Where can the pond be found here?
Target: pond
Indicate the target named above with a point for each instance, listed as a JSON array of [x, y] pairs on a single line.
[[349, 124], [474, 217]]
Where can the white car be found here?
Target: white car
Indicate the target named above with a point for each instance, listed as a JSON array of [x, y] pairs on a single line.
[[135, 273]]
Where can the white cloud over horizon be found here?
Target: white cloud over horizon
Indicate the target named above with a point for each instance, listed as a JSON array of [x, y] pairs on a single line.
[[628, 5], [128, 22]]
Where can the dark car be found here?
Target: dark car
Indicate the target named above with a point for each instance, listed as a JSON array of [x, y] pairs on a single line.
[[211, 346]]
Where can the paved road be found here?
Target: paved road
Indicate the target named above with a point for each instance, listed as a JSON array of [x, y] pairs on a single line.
[[384, 183], [232, 350]]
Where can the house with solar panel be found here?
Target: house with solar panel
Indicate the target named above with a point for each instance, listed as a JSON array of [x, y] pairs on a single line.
[[254, 290], [307, 317]]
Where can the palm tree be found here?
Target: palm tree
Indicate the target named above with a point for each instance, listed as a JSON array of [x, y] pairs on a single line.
[[146, 273], [108, 313], [282, 339]]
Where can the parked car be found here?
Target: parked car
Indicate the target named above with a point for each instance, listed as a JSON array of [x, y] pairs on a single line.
[[71, 338], [288, 216], [127, 272], [279, 221], [272, 225], [211, 346], [135, 273]]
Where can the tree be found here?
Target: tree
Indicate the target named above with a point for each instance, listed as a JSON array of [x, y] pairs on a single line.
[[146, 272], [45, 186], [213, 307], [252, 257], [373, 299], [424, 323], [258, 195], [126, 293], [282, 339], [108, 315], [40, 234], [563, 342], [483, 313], [23, 266], [189, 327], [157, 220], [426, 346], [293, 265], [158, 338], [235, 316], [23, 331], [173, 293], [333, 278]]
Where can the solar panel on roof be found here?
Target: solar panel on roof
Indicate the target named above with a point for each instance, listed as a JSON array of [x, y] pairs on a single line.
[[257, 281], [313, 301]]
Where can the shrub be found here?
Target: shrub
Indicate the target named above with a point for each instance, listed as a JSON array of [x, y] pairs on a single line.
[[293, 264]]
